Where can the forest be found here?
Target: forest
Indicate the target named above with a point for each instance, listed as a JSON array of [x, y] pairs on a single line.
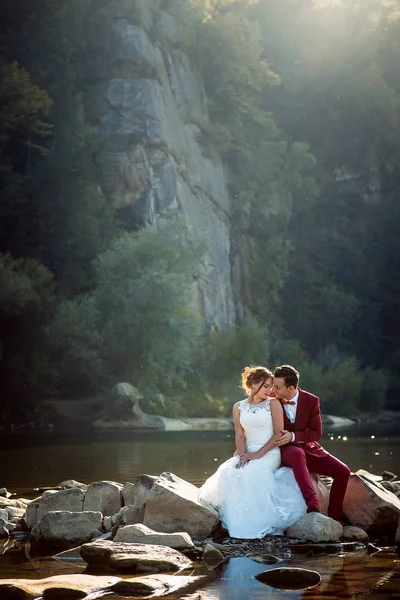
[[304, 101]]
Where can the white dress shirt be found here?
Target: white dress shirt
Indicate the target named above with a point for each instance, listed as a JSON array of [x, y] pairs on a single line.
[[291, 410]]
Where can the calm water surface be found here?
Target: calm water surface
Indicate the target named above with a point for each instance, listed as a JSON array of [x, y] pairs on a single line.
[[31, 461], [47, 459]]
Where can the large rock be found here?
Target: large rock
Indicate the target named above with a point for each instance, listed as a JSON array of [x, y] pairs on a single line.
[[31, 513], [354, 534], [72, 483], [103, 496], [6, 502], [140, 558], [128, 515], [316, 527], [70, 500], [58, 586], [370, 506], [322, 492], [13, 512], [157, 585], [290, 578], [66, 528], [122, 409], [136, 494], [173, 505], [211, 554], [140, 534]]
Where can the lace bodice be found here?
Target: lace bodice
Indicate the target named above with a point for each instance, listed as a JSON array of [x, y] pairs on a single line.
[[256, 420]]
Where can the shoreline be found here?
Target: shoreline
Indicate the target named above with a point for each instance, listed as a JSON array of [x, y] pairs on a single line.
[[71, 418]]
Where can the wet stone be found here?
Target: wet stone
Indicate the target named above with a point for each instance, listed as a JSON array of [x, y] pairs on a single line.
[[265, 559], [290, 578]]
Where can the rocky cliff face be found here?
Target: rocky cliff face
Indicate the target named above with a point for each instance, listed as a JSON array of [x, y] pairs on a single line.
[[147, 105]]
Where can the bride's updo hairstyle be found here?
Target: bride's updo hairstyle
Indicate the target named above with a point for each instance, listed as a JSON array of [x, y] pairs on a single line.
[[254, 376]]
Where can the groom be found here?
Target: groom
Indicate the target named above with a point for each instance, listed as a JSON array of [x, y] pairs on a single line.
[[299, 447]]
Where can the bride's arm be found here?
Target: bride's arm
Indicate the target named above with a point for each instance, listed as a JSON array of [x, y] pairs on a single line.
[[240, 436], [277, 424]]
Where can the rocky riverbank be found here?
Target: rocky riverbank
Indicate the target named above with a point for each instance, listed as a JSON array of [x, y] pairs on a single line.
[[121, 410], [156, 530]]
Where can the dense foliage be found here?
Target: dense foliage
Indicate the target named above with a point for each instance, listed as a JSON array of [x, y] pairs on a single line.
[[304, 99]]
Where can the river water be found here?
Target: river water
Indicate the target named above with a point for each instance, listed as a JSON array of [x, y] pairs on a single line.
[[44, 460]]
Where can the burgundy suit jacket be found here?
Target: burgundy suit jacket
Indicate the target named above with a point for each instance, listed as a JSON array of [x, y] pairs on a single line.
[[307, 427]]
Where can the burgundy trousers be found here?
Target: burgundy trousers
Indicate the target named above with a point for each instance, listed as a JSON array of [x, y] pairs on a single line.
[[303, 463]]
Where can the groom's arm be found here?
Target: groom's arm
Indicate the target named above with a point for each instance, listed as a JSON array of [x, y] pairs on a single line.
[[314, 431]]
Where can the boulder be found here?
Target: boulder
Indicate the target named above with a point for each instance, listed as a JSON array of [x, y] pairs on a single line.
[[31, 514], [71, 483], [134, 558], [103, 496], [128, 515], [4, 514], [156, 585], [370, 506], [390, 486], [397, 536], [173, 505], [265, 559], [140, 534], [290, 578], [58, 586], [136, 494], [70, 500], [322, 492], [68, 528], [13, 512], [5, 528], [355, 534], [6, 502], [211, 554], [316, 527], [107, 524]]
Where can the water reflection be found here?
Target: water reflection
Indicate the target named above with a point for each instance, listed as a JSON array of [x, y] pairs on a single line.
[[350, 575], [343, 576], [121, 456]]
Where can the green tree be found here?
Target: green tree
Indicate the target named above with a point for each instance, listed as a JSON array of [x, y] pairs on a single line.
[[139, 323], [27, 301]]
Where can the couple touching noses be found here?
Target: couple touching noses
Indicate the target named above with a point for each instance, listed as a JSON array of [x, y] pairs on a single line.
[[266, 486]]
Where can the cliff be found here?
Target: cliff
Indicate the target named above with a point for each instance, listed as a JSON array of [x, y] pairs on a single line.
[[147, 108]]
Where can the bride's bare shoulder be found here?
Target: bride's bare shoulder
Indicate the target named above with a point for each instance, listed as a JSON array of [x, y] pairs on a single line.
[[274, 401], [237, 405]]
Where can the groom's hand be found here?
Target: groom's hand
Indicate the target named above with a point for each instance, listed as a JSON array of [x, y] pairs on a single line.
[[284, 438]]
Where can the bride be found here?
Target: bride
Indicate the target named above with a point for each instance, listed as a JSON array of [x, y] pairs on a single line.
[[255, 497]]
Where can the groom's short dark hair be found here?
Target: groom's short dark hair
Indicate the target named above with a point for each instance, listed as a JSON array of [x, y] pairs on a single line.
[[288, 374]]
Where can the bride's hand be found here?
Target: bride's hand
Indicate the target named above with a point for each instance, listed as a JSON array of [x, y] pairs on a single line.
[[242, 462], [249, 456]]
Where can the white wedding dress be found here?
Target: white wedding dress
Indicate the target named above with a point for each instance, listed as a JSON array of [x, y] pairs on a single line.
[[259, 498]]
